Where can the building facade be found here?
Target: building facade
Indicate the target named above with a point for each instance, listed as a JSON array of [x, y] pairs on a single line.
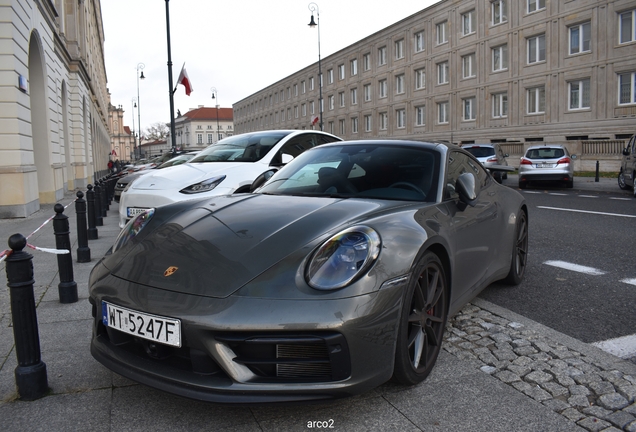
[[202, 126], [54, 99], [515, 72], [122, 145]]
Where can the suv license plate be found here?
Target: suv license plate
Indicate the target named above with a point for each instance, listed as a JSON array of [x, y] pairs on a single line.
[[146, 326]]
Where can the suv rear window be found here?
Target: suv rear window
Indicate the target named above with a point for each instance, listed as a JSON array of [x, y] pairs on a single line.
[[480, 151], [545, 153]]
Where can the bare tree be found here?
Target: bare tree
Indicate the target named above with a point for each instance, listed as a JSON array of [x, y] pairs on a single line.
[[157, 131]]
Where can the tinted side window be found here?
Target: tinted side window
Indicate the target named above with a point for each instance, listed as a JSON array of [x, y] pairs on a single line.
[[297, 145]]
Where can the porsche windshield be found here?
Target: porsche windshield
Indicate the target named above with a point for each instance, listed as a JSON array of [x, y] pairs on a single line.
[[381, 171], [249, 147]]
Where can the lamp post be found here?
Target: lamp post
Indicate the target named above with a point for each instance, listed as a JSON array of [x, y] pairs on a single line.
[[140, 67], [215, 96], [134, 105], [314, 7]]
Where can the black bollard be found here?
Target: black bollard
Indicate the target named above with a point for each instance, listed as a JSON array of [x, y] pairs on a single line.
[[67, 287], [30, 375], [92, 216], [83, 251], [596, 178], [105, 201], [99, 221]]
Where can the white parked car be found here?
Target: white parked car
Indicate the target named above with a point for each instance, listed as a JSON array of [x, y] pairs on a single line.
[[229, 166]]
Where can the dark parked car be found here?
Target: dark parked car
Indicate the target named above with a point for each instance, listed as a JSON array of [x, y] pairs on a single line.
[[627, 173], [335, 275]]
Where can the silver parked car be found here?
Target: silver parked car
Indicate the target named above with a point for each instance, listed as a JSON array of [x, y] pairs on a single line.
[[546, 163], [489, 155], [627, 174]]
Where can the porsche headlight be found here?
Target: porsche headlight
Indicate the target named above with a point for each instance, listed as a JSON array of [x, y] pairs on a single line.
[[204, 186], [343, 258], [132, 228]]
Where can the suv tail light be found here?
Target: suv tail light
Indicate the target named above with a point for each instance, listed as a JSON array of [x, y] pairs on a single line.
[[525, 161], [565, 160], [492, 159]]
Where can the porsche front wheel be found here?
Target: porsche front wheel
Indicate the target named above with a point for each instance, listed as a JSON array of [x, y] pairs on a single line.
[[519, 251], [422, 321]]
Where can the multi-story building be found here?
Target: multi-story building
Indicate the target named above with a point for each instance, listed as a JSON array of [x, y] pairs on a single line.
[[202, 126], [123, 141], [54, 99], [467, 71]]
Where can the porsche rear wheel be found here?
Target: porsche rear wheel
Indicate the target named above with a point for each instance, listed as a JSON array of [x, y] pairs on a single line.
[[422, 321], [519, 251]]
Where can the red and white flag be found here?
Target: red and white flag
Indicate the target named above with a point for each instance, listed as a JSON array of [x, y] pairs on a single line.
[[185, 80], [314, 120]]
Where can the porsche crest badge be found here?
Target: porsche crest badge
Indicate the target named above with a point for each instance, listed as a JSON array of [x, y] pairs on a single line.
[[170, 271]]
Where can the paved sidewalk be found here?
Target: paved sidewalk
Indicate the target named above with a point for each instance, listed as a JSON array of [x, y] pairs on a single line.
[[498, 371]]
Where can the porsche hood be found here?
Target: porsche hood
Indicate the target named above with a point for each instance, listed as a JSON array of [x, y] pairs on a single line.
[[218, 246]]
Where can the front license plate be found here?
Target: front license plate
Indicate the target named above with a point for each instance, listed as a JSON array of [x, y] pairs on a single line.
[[134, 211], [146, 326]]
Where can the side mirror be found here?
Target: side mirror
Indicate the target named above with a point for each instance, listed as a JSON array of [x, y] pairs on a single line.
[[261, 179], [286, 158], [507, 155], [574, 157], [466, 188], [625, 151]]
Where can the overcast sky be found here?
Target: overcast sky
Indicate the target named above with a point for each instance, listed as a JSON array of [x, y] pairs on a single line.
[[238, 47]]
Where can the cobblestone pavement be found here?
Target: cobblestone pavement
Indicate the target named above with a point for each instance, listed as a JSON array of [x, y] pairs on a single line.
[[591, 393]]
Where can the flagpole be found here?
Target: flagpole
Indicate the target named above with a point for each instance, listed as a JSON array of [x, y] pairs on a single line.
[[172, 126]]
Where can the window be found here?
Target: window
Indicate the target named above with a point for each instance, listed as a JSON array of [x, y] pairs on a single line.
[[366, 61], [210, 138], [311, 107], [331, 102], [440, 29], [343, 127], [469, 108], [468, 22], [341, 98], [499, 13], [331, 128], [384, 121], [420, 79], [330, 76], [199, 138], [295, 89], [354, 96], [468, 65], [367, 123], [399, 84], [399, 49], [382, 55], [382, 89], [442, 112], [296, 111], [535, 5], [341, 72], [442, 73], [419, 41], [627, 88], [420, 118], [536, 49], [400, 118], [627, 26], [367, 92], [288, 113], [288, 92], [579, 92], [303, 110], [500, 105], [302, 87], [500, 58], [311, 83], [536, 100], [354, 125], [580, 38], [354, 67]]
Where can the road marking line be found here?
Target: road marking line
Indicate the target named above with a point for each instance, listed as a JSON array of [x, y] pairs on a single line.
[[556, 193], [532, 192], [575, 267], [623, 347], [622, 199], [629, 281], [587, 211], [588, 196]]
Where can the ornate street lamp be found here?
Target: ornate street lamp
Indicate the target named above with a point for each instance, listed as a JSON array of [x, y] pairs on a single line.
[[140, 67], [314, 7], [215, 96]]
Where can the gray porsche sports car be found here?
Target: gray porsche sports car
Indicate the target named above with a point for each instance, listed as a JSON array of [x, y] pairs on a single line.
[[336, 274]]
